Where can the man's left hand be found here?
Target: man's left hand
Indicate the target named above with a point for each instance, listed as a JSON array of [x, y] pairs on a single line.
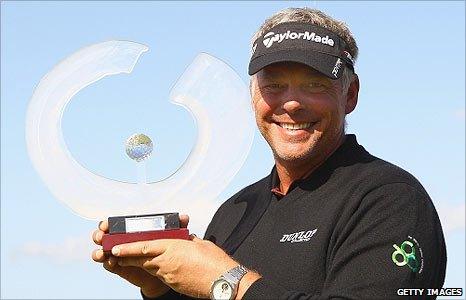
[[187, 266]]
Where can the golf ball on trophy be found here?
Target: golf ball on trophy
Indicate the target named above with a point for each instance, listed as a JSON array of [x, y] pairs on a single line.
[[139, 147]]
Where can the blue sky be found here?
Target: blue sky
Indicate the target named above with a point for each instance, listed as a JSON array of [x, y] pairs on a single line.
[[411, 112]]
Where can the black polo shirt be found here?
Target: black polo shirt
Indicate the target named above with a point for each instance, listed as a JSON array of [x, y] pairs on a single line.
[[358, 227]]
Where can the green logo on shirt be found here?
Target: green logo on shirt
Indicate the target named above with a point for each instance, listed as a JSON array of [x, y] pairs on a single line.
[[405, 254]]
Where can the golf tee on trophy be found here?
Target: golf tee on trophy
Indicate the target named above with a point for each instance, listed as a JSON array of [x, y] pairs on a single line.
[[126, 229], [139, 148]]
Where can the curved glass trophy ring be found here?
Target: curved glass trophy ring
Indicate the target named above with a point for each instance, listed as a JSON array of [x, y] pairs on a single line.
[[214, 94]]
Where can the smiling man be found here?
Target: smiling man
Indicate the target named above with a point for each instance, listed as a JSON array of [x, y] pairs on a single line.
[[301, 114], [330, 221]]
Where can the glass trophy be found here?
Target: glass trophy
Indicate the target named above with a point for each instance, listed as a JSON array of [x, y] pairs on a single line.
[[209, 89]]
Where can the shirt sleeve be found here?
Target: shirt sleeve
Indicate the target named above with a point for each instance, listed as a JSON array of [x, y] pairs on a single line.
[[392, 241]]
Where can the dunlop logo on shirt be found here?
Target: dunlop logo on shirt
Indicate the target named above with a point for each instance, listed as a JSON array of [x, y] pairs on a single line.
[[297, 237]]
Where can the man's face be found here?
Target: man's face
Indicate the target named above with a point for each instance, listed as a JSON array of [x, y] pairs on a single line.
[[300, 112]]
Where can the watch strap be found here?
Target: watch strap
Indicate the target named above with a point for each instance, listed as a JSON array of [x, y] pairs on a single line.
[[234, 275]]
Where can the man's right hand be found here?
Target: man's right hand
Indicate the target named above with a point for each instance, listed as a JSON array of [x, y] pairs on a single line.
[[150, 285]]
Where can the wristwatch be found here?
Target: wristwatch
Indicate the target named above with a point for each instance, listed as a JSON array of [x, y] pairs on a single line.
[[226, 286]]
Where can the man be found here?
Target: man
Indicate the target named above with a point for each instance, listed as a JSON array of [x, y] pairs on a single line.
[[330, 221]]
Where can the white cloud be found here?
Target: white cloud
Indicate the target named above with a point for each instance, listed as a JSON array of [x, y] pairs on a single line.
[[452, 217], [71, 249]]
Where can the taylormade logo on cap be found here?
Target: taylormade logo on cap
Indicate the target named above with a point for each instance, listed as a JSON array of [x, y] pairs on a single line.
[[271, 37], [337, 68]]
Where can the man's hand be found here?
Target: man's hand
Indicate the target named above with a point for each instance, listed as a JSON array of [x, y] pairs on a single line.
[[188, 267], [150, 285]]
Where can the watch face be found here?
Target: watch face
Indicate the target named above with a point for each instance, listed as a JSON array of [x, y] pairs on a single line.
[[222, 290]]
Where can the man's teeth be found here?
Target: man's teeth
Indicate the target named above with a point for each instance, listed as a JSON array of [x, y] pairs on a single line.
[[291, 126]]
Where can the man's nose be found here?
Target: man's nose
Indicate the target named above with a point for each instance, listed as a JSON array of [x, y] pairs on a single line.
[[291, 101], [291, 106]]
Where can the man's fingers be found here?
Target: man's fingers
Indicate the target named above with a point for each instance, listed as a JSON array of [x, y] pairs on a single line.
[[141, 262], [111, 265], [97, 236], [144, 248], [194, 238], [103, 225], [184, 220], [98, 255]]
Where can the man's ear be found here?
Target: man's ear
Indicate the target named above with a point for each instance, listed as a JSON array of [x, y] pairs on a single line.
[[352, 95]]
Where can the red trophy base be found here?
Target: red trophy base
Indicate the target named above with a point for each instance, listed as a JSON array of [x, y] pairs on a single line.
[[111, 240]]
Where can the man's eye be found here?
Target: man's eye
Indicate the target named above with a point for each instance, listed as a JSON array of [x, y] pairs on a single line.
[[272, 87], [315, 87], [315, 84]]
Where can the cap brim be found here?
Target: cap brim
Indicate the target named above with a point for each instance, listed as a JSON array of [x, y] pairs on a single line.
[[322, 62]]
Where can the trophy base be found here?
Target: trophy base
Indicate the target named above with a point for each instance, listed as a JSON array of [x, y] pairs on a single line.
[[111, 240]]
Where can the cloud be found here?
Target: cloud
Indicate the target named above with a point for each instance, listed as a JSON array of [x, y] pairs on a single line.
[[71, 249], [452, 217]]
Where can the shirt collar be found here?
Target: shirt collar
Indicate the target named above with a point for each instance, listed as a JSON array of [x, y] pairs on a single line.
[[331, 162]]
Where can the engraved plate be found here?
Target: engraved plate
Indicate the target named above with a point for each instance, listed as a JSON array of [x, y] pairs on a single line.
[[145, 223]]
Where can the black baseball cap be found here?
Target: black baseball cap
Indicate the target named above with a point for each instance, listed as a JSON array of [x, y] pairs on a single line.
[[304, 43]]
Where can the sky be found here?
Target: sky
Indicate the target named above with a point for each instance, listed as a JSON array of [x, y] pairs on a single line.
[[411, 112]]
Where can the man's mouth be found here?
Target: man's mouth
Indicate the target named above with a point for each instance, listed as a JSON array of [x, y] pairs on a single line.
[[295, 126]]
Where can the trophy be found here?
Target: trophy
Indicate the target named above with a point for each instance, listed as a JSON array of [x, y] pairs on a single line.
[[126, 229], [209, 89]]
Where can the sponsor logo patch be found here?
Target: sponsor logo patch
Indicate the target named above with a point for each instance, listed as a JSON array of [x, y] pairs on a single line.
[[298, 237], [271, 37], [409, 253], [337, 68], [254, 49]]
